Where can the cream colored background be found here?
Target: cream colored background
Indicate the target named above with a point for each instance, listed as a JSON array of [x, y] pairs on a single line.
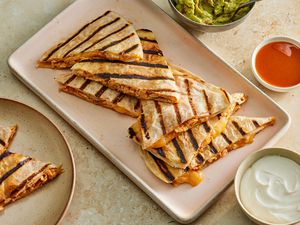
[[103, 195]]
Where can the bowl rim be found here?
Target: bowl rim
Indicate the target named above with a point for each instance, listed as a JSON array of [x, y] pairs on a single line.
[[253, 60], [207, 25], [250, 160]]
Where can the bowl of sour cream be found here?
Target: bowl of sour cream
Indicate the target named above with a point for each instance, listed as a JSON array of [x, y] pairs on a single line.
[[267, 186]]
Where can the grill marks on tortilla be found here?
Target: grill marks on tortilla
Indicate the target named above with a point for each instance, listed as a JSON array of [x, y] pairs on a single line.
[[135, 63], [74, 35], [163, 168], [178, 116], [208, 106], [93, 91], [91, 35], [108, 35], [226, 138], [161, 152], [179, 151], [116, 42], [5, 154], [22, 185], [131, 76], [2, 143], [97, 33], [187, 83], [255, 123], [144, 125], [153, 52], [119, 97], [212, 148], [240, 129], [161, 118], [193, 139], [13, 170], [206, 127]]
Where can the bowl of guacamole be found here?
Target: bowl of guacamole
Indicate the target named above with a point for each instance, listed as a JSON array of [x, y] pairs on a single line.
[[210, 15]]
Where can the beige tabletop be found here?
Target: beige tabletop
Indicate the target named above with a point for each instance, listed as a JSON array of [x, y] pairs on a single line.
[[103, 195]]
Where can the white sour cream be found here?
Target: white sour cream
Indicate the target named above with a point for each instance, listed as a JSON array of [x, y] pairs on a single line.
[[270, 189]]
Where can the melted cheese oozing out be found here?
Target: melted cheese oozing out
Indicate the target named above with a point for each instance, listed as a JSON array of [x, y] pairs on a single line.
[[270, 189]]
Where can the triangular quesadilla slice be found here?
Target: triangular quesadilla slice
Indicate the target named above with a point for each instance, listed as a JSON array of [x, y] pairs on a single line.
[[98, 94], [109, 36], [21, 175], [160, 122], [149, 78], [6, 136], [240, 131], [179, 152]]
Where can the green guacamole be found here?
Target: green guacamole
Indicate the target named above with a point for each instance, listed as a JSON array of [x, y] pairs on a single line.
[[212, 11]]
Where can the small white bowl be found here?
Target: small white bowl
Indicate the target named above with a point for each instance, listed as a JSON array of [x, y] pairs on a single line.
[[247, 163], [257, 76]]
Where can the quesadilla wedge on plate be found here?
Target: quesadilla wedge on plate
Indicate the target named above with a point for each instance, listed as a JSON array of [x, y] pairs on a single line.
[[109, 36], [179, 152], [21, 175], [160, 122], [96, 93], [6, 136], [149, 78], [239, 131]]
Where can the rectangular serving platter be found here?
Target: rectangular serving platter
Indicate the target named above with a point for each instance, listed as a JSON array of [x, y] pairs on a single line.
[[107, 130]]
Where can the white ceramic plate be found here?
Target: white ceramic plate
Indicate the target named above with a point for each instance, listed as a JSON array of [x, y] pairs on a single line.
[[39, 138], [107, 130]]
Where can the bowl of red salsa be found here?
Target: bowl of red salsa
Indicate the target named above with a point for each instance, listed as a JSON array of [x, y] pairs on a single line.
[[276, 63]]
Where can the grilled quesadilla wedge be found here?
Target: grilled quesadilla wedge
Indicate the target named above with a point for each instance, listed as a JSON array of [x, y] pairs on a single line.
[[179, 152], [21, 175], [160, 122], [109, 36], [98, 94], [150, 78], [6, 136], [240, 131]]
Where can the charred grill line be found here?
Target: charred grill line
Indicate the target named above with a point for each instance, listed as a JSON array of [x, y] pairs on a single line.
[[118, 98], [148, 40], [92, 35], [219, 116], [187, 84], [101, 39], [130, 76], [206, 127], [27, 180], [116, 42], [101, 91], [161, 118], [2, 142], [226, 138], [212, 148], [208, 105], [73, 36], [161, 152], [131, 132], [134, 63], [178, 116], [153, 52], [85, 84], [131, 48], [237, 126], [199, 158], [193, 139], [255, 123], [137, 104], [4, 154], [10, 172], [163, 168], [144, 125], [179, 151], [226, 94], [70, 79]]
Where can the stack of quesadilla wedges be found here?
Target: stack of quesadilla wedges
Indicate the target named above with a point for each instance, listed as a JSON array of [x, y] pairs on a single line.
[[183, 122]]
